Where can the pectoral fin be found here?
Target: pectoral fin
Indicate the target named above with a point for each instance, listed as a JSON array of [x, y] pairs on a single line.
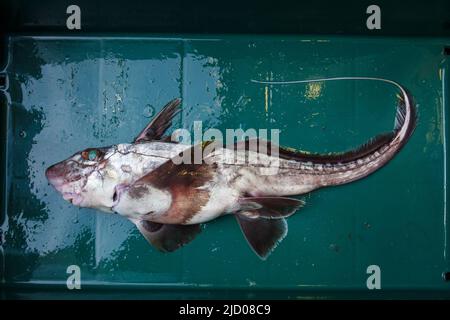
[[263, 235], [160, 123], [167, 237], [269, 207]]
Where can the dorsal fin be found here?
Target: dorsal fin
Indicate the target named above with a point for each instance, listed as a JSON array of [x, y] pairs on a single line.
[[160, 123], [364, 150], [332, 158]]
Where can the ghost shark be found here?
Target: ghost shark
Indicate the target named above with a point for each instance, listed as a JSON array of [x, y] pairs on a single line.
[[168, 201]]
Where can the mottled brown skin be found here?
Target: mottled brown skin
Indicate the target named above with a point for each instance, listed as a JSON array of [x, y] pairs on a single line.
[[184, 182]]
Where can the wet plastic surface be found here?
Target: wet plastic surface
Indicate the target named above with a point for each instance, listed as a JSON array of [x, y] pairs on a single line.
[[66, 94]]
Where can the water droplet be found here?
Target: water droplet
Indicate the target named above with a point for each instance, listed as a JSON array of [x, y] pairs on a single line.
[[334, 247], [149, 111]]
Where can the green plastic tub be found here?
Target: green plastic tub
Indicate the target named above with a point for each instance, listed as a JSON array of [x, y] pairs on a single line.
[[62, 94]]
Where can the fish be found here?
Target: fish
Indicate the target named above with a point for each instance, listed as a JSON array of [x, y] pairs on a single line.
[[169, 201]]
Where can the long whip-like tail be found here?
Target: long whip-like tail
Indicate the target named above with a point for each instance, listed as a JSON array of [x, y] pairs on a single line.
[[379, 150]]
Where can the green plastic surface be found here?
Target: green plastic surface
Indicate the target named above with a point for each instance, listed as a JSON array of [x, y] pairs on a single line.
[[66, 94]]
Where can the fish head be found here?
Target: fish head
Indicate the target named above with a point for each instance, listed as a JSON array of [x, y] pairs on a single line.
[[85, 179], [89, 177]]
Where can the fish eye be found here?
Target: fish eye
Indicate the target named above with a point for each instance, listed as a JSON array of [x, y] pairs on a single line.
[[91, 155]]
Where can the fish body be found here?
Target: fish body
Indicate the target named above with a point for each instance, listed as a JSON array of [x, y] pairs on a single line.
[[168, 199]]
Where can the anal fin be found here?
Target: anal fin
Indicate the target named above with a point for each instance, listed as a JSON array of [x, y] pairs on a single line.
[[167, 237], [263, 235]]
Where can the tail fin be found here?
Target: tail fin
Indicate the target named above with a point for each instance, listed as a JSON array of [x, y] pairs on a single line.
[[406, 117], [405, 123]]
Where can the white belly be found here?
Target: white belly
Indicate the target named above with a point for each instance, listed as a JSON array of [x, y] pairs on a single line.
[[222, 200]]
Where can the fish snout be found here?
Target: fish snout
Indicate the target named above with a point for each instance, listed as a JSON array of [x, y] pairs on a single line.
[[55, 174]]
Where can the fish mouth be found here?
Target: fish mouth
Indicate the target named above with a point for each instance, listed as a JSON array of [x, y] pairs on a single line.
[[72, 197], [55, 176]]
